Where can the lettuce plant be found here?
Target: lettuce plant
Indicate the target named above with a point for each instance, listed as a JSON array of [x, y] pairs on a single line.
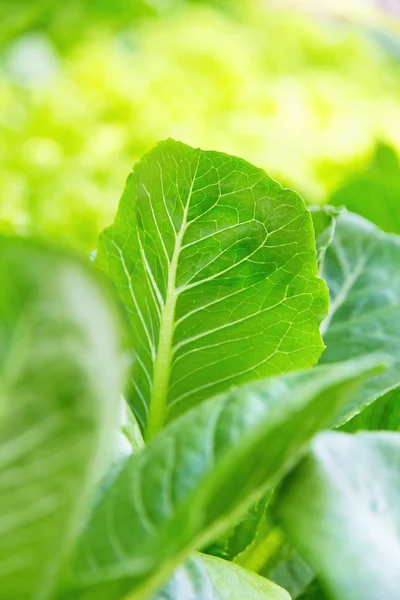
[[217, 345]]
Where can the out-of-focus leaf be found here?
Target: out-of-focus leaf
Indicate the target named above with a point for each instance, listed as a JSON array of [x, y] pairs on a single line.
[[341, 508], [215, 263], [374, 193], [199, 475], [76, 18], [204, 577], [361, 268], [313, 592], [293, 574], [68, 140], [60, 377]]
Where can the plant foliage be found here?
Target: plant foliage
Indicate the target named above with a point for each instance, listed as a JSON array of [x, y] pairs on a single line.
[[223, 278]]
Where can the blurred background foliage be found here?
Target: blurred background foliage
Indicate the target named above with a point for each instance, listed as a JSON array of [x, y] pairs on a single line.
[[309, 90]]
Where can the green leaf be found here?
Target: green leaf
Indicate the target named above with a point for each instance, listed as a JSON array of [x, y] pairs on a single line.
[[205, 577], [60, 381], [374, 192], [242, 534], [384, 413], [362, 272], [341, 508], [324, 222], [215, 263], [199, 475]]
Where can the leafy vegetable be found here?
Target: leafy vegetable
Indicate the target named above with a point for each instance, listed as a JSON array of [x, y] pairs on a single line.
[[216, 267], [362, 274], [215, 263], [60, 377], [204, 469], [348, 489]]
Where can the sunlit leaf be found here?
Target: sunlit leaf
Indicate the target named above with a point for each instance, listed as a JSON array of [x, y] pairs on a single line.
[[215, 263]]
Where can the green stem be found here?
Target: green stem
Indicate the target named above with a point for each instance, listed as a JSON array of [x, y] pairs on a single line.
[[162, 365], [255, 556]]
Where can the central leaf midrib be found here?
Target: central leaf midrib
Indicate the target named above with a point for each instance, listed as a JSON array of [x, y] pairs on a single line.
[[162, 364]]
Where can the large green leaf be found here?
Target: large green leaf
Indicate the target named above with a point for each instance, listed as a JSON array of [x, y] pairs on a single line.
[[341, 508], [60, 373], [362, 272], [200, 474], [205, 577], [215, 263]]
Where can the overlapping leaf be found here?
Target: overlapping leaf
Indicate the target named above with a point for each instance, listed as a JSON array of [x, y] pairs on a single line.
[[294, 574], [60, 374], [200, 577], [241, 536], [202, 471], [361, 268], [341, 508], [215, 263], [383, 414]]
